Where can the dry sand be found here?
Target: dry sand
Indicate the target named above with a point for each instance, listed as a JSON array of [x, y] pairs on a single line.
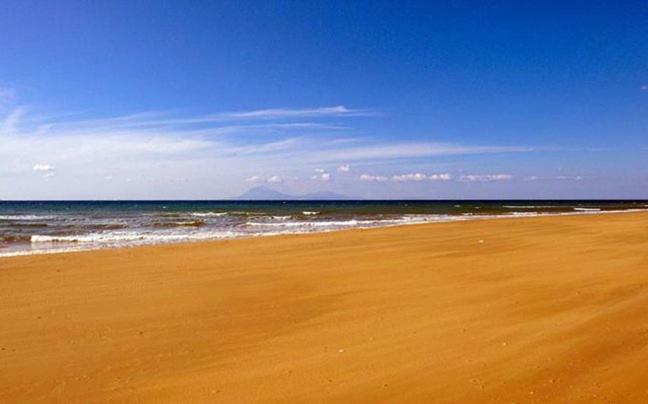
[[543, 310]]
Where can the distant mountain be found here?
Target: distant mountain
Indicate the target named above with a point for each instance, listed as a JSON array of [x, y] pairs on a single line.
[[262, 193]]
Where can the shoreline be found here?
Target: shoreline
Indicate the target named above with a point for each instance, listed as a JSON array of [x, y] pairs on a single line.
[[451, 219], [550, 309]]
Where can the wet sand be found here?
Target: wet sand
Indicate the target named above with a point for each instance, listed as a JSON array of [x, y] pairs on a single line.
[[551, 309]]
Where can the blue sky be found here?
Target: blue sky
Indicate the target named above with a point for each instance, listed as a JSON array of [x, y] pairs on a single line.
[[453, 99]]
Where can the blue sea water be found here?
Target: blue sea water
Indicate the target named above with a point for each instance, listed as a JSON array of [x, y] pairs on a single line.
[[29, 227]]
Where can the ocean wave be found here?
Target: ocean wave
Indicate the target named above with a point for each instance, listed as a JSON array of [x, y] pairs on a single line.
[[310, 213], [532, 206], [28, 225], [269, 219], [255, 227], [186, 223], [246, 213], [410, 219], [588, 209], [165, 214], [21, 253], [117, 238], [209, 214], [26, 217], [109, 226], [309, 224]]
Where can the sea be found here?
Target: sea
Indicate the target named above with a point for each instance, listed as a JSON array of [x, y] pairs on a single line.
[[37, 227]]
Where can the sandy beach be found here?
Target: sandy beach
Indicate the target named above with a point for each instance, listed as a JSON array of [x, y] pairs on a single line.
[[550, 309]]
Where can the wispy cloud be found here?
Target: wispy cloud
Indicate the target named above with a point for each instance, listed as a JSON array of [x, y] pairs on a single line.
[[569, 177], [147, 147], [43, 167], [162, 131], [418, 177], [440, 177], [485, 177], [10, 123], [46, 169], [272, 179], [254, 178], [409, 177], [558, 177], [280, 113], [321, 175], [373, 178], [196, 126], [414, 150]]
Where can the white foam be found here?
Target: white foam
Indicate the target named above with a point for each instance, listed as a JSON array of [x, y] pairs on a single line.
[[44, 244], [310, 224], [531, 206], [47, 251], [408, 219], [588, 209], [25, 217], [124, 237], [209, 214], [309, 213]]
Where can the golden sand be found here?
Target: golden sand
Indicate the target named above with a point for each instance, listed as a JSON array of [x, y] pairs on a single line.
[[512, 310]]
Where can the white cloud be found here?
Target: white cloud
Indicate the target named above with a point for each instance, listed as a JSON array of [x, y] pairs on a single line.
[[567, 177], [43, 167], [413, 150], [485, 177], [254, 178], [440, 177], [409, 177], [9, 125], [46, 169], [150, 133], [321, 175], [151, 148], [373, 178], [273, 179], [275, 113], [417, 177], [559, 178]]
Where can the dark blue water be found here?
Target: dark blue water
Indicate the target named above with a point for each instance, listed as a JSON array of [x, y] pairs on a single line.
[[34, 227]]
